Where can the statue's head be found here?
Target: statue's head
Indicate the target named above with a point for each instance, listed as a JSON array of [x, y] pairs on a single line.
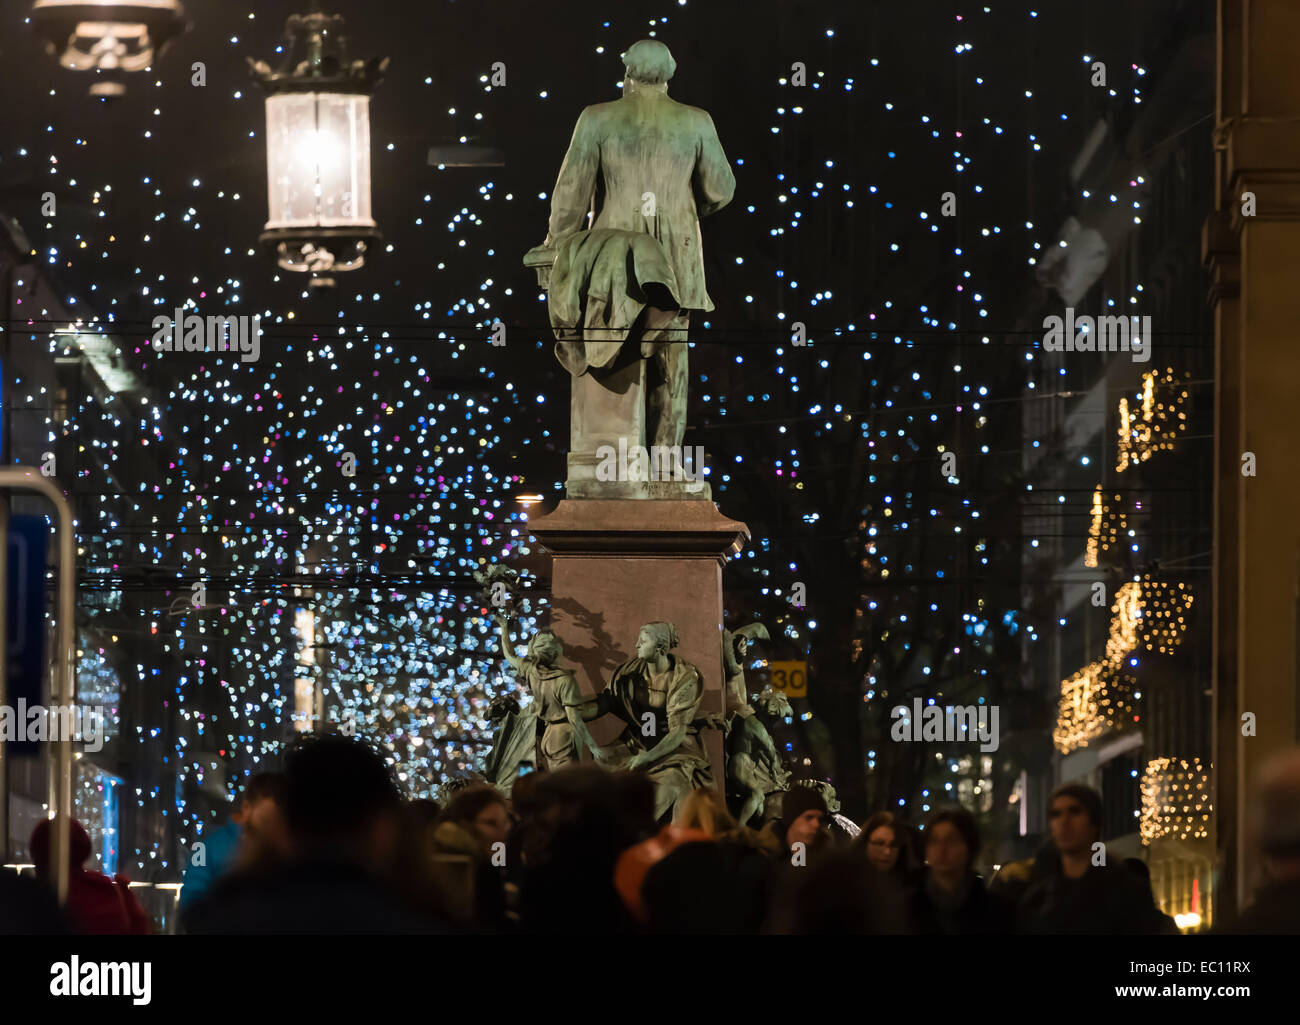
[[546, 647], [774, 703], [656, 639], [825, 789], [649, 62]]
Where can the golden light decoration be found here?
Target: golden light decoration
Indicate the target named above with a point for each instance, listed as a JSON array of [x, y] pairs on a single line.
[[1151, 615], [1153, 427], [1166, 614], [1126, 614], [1148, 615], [1094, 700], [1108, 522], [1175, 800], [1094, 530]]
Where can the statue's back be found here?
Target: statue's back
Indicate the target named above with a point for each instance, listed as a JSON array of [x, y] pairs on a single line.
[[648, 143]]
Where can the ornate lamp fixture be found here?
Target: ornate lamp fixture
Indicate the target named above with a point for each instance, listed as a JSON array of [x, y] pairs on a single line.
[[107, 35], [318, 150]]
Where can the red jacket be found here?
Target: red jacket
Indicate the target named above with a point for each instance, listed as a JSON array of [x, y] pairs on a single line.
[[97, 905], [100, 906]]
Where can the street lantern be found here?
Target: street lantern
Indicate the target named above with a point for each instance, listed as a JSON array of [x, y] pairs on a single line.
[[318, 150], [108, 36]]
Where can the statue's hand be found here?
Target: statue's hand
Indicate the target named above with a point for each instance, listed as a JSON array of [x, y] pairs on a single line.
[[637, 761], [501, 707], [606, 756]]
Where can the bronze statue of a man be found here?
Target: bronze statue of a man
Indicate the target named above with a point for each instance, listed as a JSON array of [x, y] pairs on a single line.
[[623, 248]]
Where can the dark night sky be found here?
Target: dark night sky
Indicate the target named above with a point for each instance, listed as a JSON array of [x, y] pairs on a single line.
[[835, 222]]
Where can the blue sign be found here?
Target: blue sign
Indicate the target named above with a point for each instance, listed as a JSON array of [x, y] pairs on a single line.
[[28, 539]]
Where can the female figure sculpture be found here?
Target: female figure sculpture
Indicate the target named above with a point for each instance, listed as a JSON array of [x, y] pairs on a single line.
[[658, 696], [560, 708]]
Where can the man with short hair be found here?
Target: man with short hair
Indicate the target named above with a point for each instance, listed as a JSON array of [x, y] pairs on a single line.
[[952, 900], [253, 829], [266, 834], [1064, 892]]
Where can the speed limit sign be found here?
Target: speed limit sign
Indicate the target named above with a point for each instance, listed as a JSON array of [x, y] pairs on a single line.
[[790, 677]]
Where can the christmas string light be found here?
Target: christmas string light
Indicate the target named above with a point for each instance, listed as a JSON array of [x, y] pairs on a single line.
[[1153, 427], [232, 474], [1107, 523], [1175, 800], [1147, 615]]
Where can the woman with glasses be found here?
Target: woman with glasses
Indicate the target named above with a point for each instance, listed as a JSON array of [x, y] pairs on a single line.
[[888, 846]]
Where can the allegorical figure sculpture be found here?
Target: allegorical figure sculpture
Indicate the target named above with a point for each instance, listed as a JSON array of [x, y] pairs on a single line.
[[623, 263], [658, 696], [735, 649], [754, 769], [514, 743], [554, 726]]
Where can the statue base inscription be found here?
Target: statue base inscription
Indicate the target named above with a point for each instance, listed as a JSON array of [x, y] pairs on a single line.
[[620, 563]]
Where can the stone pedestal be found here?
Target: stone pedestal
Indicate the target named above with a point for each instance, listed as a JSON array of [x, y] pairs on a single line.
[[601, 413], [618, 564]]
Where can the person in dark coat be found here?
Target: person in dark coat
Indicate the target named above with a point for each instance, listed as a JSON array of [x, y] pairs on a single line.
[[951, 899], [1275, 910], [28, 907], [1069, 889], [343, 815], [97, 904], [575, 824], [795, 842], [745, 854], [253, 829], [476, 824], [1142, 873]]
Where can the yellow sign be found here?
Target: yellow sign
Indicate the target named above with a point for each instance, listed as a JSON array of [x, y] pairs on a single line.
[[790, 678]]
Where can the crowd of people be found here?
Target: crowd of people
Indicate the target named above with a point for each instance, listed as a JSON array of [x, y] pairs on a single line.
[[330, 846]]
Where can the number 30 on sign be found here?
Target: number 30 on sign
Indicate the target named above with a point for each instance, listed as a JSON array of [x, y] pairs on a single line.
[[790, 678]]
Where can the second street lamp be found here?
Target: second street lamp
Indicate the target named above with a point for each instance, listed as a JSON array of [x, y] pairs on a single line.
[[109, 36]]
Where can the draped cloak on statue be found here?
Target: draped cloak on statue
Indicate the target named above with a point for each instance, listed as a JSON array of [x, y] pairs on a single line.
[[600, 282], [541, 733], [687, 767]]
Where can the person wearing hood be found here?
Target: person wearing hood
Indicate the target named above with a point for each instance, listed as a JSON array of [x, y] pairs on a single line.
[[97, 904], [803, 820]]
